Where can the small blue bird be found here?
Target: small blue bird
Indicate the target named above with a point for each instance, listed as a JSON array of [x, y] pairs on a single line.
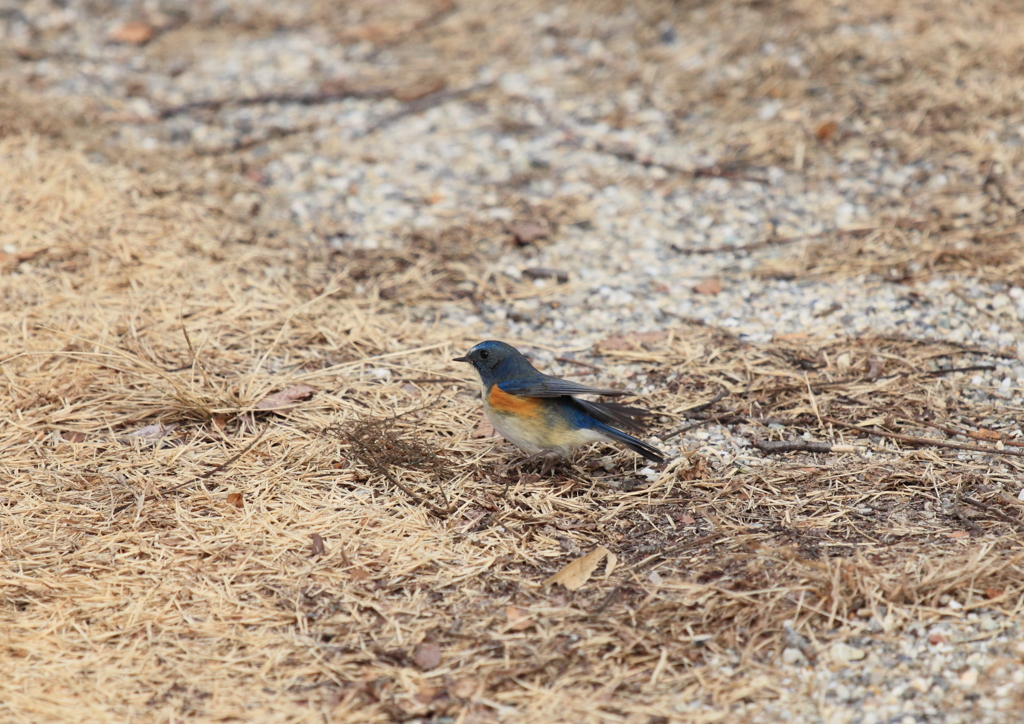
[[541, 415]]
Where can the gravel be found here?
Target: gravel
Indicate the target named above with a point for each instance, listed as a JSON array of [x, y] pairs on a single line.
[[538, 138]]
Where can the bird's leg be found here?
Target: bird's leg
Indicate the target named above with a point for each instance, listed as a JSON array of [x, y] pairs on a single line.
[[549, 459], [549, 464], [528, 459]]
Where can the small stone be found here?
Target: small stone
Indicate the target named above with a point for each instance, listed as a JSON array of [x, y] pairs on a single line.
[[968, 678], [842, 654], [988, 623], [920, 685], [935, 638], [793, 657], [427, 655]]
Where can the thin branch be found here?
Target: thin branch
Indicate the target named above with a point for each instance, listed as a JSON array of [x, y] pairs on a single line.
[[773, 447], [302, 99], [968, 523], [424, 104], [428, 504], [570, 361], [773, 241], [992, 511], [212, 471], [734, 170], [923, 441]]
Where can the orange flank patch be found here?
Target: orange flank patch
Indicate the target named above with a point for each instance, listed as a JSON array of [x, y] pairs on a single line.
[[506, 404]]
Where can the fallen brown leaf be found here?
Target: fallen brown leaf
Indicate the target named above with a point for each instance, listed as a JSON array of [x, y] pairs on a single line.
[[419, 89], [527, 232], [577, 573], [153, 432], [712, 285], [698, 470], [484, 429], [318, 545], [134, 33], [235, 499], [983, 434], [427, 656], [518, 618], [827, 130], [73, 436], [285, 398], [610, 563], [359, 575]]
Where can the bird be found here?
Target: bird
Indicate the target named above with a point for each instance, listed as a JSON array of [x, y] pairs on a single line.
[[542, 415]]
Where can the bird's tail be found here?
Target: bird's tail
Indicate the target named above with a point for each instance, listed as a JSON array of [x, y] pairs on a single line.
[[638, 446]]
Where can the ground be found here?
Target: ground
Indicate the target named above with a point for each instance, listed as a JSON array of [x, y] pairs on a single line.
[[241, 242]]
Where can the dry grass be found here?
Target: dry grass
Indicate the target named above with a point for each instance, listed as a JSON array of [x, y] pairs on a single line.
[[142, 581], [172, 548]]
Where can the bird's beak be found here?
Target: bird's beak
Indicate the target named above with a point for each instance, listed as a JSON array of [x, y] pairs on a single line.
[[460, 359]]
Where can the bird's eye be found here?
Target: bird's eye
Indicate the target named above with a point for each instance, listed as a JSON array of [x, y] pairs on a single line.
[[484, 354]]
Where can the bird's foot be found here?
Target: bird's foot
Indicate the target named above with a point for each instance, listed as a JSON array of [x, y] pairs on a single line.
[[548, 460]]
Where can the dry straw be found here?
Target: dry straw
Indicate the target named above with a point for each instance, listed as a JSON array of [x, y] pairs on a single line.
[[226, 496], [241, 479]]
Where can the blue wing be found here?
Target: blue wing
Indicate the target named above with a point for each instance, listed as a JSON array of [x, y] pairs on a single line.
[[612, 413], [544, 386]]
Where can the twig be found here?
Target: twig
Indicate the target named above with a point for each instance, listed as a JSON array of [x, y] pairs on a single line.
[[931, 341], [720, 395], [772, 447], [673, 549], [570, 361], [542, 273], [212, 471], [951, 370], [612, 595], [433, 381], [425, 103], [416, 106], [775, 241], [660, 554], [428, 504], [968, 523], [992, 511], [973, 435], [996, 181], [726, 417], [302, 99], [243, 144], [729, 170], [924, 441]]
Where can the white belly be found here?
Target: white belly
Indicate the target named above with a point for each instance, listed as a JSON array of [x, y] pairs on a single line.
[[535, 440]]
